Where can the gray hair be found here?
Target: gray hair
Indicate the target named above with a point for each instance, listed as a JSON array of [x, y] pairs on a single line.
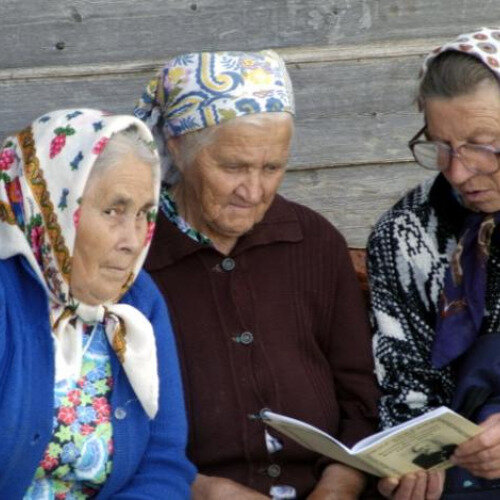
[[121, 144], [453, 74], [190, 144]]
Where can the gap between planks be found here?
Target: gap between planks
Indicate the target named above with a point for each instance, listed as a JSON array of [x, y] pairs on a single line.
[[338, 165], [291, 55]]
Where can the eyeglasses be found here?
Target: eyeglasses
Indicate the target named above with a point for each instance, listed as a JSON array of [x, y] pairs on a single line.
[[437, 155]]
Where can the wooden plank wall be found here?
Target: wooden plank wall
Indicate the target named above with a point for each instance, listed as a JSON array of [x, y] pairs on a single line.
[[353, 64]]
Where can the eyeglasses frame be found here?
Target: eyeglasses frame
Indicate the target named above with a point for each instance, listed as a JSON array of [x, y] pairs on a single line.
[[414, 141]]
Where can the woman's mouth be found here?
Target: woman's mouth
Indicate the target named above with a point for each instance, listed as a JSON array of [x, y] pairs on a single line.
[[476, 195], [118, 272]]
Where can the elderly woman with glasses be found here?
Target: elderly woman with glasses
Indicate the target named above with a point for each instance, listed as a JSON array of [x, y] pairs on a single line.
[[434, 266], [265, 304]]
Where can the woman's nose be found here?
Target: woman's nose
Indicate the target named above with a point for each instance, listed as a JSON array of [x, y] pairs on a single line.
[[457, 173], [132, 235], [252, 189]]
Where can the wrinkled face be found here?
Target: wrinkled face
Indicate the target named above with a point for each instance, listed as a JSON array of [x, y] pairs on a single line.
[[475, 119], [112, 230], [231, 182]]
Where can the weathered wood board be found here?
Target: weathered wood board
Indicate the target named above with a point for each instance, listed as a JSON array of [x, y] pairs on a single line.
[[350, 112], [353, 64], [50, 32], [353, 198]]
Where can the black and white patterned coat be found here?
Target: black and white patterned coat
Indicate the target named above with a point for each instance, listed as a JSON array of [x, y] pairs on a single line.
[[408, 253]]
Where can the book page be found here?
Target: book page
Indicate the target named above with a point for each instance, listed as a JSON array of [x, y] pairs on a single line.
[[425, 442], [426, 445], [367, 441], [315, 439]]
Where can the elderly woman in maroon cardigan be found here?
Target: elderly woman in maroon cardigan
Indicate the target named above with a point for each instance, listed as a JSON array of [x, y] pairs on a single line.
[[263, 298]]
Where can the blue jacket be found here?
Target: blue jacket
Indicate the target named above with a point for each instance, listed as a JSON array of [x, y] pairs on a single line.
[[477, 396], [149, 460]]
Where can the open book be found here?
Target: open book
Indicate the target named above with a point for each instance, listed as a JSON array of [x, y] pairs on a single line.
[[425, 442]]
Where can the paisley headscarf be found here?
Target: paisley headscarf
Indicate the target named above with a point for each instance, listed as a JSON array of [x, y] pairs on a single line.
[[195, 91], [483, 44], [43, 172]]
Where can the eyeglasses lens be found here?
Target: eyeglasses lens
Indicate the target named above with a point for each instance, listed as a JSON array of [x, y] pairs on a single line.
[[478, 160], [437, 156], [431, 156]]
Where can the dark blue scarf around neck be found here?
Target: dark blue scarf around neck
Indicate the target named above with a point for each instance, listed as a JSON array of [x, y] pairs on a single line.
[[462, 303]]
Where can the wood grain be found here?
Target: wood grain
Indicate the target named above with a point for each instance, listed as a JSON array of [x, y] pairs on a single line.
[[353, 198], [38, 33], [349, 112], [353, 64]]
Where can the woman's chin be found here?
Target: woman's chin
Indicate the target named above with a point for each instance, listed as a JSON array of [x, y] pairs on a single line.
[[96, 297]]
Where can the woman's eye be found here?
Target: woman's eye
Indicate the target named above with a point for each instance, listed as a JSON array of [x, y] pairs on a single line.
[[111, 211], [232, 168], [272, 168], [484, 140]]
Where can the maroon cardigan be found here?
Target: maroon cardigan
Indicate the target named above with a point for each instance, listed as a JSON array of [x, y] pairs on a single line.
[[279, 324]]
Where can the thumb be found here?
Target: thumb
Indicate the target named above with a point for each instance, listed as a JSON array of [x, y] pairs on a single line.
[[387, 486]]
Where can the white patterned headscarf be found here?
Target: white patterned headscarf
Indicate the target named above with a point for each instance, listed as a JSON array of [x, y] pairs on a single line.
[[43, 172], [483, 44]]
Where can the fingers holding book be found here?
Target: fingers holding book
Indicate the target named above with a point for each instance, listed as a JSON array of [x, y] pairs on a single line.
[[480, 455], [415, 486]]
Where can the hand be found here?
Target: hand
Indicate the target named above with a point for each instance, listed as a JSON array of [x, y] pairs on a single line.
[[321, 493], [416, 486], [220, 488], [338, 482], [480, 455]]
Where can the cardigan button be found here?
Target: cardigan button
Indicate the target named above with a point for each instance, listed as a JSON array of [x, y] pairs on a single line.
[[120, 413], [274, 470], [246, 338], [228, 264]]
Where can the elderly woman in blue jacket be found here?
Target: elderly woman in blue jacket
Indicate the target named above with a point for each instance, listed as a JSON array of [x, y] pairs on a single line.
[[90, 394]]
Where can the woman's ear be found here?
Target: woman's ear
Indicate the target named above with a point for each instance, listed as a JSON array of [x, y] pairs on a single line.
[[174, 150], [420, 104]]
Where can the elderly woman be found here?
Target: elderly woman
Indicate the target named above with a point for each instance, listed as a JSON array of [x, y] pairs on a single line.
[[264, 302], [434, 262], [90, 394]]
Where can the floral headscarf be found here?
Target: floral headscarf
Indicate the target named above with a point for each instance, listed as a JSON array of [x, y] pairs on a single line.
[[43, 172], [483, 44], [195, 91]]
